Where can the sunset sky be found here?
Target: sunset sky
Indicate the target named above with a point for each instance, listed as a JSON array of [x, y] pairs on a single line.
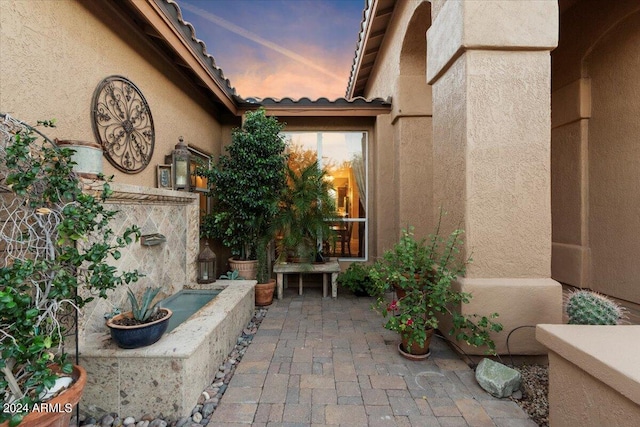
[[278, 48]]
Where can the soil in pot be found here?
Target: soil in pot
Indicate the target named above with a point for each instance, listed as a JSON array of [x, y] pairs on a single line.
[[130, 321]]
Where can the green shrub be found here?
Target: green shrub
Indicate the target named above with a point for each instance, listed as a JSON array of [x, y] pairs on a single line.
[[356, 278]]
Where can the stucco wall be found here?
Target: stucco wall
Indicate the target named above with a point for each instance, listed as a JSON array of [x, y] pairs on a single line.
[[614, 152], [403, 146], [594, 147], [50, 66]]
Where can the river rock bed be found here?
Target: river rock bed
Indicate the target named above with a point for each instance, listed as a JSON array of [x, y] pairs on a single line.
[[207, 402], [533, 398]]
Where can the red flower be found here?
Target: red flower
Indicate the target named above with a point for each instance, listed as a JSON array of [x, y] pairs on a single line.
[[409, 322], [393, 305]]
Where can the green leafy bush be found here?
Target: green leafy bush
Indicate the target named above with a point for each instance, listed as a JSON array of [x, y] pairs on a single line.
[[56, 238], [356, 278]]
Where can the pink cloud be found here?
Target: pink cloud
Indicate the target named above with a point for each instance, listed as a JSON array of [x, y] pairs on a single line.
[[279, 76]]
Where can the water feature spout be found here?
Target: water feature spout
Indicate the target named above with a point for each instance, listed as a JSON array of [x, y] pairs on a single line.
[[152, 239]]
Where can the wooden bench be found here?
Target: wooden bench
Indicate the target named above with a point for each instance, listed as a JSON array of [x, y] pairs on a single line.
[[328, 268]]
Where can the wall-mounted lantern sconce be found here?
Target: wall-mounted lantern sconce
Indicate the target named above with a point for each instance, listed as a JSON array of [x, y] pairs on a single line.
[[206, 265], [180, 161]]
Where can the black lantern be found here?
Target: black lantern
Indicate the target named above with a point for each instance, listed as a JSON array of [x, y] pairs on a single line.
[[206, 265], [180, 160]]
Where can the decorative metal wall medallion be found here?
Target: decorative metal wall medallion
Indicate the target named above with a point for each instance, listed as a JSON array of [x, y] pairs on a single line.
[[122, 123]]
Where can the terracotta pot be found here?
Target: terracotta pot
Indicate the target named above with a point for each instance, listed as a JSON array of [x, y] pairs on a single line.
[[57, 412], [400, 293], [248, 270], [138, 335], [264, 293], [415, 348]]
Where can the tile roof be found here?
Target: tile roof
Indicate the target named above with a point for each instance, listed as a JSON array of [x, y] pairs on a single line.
[[375, 18], [173, 11]]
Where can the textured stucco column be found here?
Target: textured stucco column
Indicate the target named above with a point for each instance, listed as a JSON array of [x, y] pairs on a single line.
[[489, 64]]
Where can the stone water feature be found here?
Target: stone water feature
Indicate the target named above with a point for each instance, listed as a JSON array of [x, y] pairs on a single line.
[[168, 376]]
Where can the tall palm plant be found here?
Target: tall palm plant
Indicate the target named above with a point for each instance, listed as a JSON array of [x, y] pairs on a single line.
[[306, 209]]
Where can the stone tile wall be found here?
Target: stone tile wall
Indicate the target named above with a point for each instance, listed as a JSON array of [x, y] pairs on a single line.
[[171, 265]]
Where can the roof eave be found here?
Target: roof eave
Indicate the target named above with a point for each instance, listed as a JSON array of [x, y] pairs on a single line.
[[322, 107], [376, 12], [161, 18]]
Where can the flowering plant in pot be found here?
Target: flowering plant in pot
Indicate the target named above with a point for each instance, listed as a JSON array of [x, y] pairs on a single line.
[[425, 270], [245, 187], [55, 238]]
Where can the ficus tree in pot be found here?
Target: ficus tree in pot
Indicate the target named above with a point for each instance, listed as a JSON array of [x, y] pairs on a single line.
[[55, 238], [246, 184], [423, 272]]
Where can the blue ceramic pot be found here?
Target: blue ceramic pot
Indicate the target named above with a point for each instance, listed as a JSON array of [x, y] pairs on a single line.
[[139, 335]]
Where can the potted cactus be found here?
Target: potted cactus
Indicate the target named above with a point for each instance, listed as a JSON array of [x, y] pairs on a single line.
[[591, 308], [143, 325]]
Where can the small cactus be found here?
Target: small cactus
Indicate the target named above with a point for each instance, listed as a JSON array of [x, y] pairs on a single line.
[[591, 308]]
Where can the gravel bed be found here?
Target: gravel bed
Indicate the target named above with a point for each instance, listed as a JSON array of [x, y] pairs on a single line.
[[535, 390], [207, 402]]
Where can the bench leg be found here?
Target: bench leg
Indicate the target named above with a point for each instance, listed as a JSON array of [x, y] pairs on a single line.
[[324, 285], [300, 284], [279, 283], [334, 285]]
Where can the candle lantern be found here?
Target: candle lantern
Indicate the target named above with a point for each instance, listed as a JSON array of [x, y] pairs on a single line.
[[180, 160], [206, 265]]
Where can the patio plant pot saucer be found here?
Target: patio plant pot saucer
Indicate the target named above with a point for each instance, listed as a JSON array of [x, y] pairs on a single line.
[[415, 351]]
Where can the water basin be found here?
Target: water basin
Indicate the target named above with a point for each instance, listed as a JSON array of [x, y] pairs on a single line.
[[185, 303]]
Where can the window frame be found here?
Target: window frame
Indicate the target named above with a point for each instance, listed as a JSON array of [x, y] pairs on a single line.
[[365, 155]]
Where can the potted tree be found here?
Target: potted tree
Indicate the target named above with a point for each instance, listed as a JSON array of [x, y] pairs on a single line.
[[245, 186], [305, 214], [424, 271], [46, 217]]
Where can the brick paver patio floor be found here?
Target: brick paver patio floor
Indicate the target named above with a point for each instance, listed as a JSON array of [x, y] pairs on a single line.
[[325, 362]]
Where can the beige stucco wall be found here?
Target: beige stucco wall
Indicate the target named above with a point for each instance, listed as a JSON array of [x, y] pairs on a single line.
[[489, 65], [594, 376], [50, 66], [402, 151], [614, 152], [594, 140]]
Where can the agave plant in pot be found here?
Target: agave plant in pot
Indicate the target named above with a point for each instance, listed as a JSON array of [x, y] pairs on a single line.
[[425, 271], [55, 240], [245, 187], [143, 325]]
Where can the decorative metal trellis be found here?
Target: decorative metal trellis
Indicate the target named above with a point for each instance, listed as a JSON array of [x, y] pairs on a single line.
[[28, 232], [123, 124]]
